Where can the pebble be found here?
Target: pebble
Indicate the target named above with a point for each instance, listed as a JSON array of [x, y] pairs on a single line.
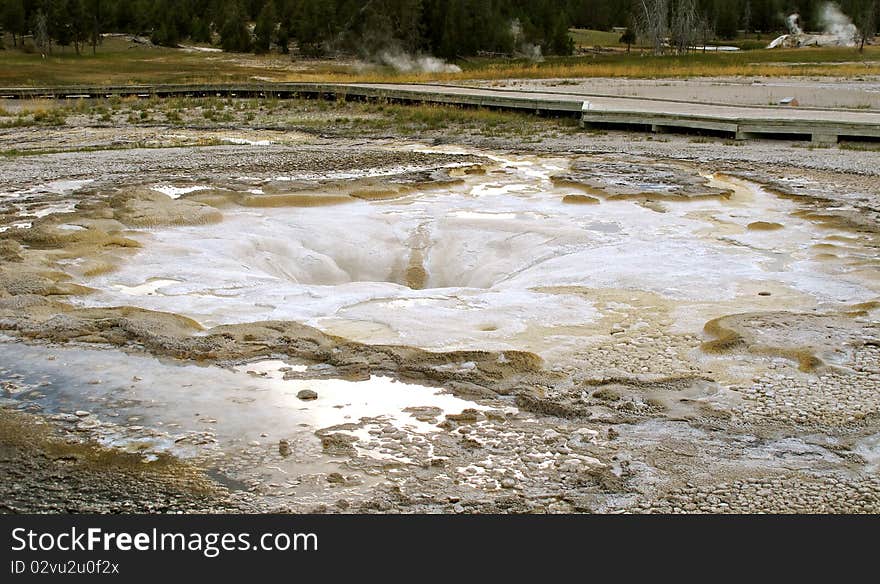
[[335, 478], [307, 395]]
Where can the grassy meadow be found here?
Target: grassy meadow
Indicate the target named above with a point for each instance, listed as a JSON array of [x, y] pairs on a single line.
[[118, 61]]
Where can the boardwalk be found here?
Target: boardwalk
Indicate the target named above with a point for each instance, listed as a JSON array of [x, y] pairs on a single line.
[[739, 121]]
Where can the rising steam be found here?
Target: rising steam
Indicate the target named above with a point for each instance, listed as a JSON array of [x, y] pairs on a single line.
[[837, 31], [524, 49], [837, 24], [792, 22], [405, 63]]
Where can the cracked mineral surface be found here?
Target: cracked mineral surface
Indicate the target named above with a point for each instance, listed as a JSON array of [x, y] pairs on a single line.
[[398, 327]]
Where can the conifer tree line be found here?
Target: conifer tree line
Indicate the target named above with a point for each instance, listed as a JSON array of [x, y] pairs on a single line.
[[446, 28]]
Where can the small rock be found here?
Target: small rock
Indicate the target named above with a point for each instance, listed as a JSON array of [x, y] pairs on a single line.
[[335, 478], [64, 418], [508, 483], [82, 413], [338, 443], [307, 395], [284, 448], [467, 416]]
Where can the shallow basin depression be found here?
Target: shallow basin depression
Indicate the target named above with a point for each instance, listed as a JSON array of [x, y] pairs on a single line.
[[497, 261], [508, 258]]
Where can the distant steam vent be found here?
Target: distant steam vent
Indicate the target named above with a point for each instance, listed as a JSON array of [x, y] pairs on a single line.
[[837, 31]]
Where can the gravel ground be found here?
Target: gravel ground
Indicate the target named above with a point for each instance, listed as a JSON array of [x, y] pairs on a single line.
[[671, 434], [863, 94]]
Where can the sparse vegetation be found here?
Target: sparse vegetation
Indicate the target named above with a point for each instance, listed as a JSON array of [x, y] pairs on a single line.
[[37, 117], [340, 117]]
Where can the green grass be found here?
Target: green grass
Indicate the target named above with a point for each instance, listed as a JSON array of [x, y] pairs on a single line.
[[587, 38], [118, 62], [595, 38], [772, 63]]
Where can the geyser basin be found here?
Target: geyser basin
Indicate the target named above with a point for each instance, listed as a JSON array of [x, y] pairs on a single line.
[[693, 328], [497, 260]]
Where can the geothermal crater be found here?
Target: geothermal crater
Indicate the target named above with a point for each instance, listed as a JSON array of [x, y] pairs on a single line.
[[610, 326], [496, 259]]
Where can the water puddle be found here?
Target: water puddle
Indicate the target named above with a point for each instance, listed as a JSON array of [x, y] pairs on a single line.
[[247, 421]]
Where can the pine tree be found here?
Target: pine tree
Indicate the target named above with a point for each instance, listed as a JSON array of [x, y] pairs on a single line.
[[866, 20], [234, 34], [124, 16], [14, 19], [628, 38], [264, 31], [314, 26], [95, 16], [78, 23], [282, 38], [726, 20], [60, 29], [560, 41], [200, 31]]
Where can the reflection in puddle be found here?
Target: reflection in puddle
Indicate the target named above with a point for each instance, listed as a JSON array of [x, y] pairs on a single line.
[[339, 401], [149, 405]]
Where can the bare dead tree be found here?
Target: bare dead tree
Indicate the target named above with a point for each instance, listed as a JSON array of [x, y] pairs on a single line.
[[41, 33], [652, 23], [705, 30], [684, 28]]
